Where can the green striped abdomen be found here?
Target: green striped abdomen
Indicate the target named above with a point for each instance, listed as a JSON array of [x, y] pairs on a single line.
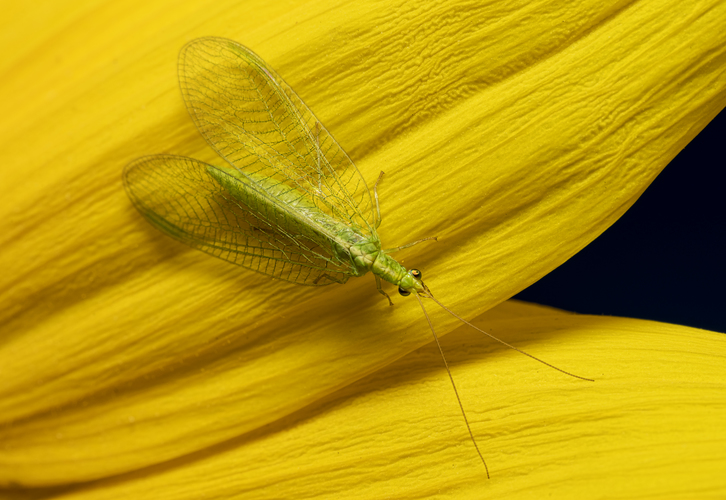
[[276, 205]]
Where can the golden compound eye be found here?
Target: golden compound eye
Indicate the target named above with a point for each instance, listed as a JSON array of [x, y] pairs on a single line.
[[416, 273], [403, 292]]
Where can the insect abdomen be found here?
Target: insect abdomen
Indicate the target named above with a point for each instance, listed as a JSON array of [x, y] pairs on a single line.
[[280, 206]]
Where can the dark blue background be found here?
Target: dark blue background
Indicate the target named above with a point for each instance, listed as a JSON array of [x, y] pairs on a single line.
[[665, 259]]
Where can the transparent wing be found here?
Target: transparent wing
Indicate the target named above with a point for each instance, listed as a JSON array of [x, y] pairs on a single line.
[[256, 122], [180, 197]]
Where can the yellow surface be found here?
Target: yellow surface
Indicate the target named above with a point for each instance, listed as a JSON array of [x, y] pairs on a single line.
[[516, 132], [650, 424]]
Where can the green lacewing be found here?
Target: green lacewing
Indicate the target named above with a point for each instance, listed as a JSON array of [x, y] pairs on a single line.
[[290, 203]]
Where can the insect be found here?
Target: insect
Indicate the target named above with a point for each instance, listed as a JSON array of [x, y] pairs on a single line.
[[290, 203]]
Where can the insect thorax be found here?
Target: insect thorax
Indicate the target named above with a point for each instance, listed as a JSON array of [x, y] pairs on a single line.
[[388, 268]]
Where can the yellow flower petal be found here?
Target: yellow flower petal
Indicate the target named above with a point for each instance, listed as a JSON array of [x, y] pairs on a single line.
[[650, 426], [515, 133]]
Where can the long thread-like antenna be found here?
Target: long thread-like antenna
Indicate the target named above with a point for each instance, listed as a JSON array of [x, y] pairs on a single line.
[[463, 413], [430, 296]]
